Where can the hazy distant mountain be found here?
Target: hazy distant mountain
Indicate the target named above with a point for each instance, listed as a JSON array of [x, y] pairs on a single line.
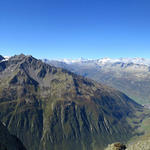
[[131, 76], [104, 61], [50, 108]]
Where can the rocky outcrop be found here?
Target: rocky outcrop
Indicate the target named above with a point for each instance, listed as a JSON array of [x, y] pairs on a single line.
[[116, 146]]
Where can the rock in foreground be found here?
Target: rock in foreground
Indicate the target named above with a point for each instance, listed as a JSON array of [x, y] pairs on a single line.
[[116, 146]]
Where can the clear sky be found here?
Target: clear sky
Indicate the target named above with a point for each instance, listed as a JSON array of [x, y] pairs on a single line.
[[75, 28]]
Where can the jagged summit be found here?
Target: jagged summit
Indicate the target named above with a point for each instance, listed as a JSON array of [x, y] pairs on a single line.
[[21, 57]]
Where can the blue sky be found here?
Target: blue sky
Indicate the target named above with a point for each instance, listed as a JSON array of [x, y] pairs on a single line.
[[75, 28]]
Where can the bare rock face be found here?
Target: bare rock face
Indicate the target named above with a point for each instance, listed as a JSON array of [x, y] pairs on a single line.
[[116, 146]]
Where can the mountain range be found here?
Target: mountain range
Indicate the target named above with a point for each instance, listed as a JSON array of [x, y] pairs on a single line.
[[136, 60], [50, 108], [129, 75]]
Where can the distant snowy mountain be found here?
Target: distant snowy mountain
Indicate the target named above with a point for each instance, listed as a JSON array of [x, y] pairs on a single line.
[[142, 61], [4, 58], [103, 61]]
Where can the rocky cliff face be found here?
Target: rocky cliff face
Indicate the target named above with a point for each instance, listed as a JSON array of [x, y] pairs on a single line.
[[50, 108]]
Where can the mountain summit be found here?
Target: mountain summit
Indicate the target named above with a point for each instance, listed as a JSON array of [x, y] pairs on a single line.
[[50, 108]]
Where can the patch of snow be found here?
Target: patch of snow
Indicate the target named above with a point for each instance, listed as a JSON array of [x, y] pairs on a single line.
[[6, 57]]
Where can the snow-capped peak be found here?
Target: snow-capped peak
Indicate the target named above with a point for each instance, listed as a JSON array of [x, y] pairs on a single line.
[[136, 60], [6, 57]]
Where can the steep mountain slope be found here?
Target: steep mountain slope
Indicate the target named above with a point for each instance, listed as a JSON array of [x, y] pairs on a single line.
[[8, 141], [1, 58], [131, 76], [50, 108]]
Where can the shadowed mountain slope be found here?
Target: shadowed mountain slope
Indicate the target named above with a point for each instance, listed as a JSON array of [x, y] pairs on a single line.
[[8, 141], [1, 58], [50, 108]]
